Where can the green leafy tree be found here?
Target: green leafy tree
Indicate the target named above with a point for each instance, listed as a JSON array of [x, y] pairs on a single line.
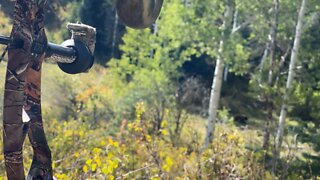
[[148, 68]]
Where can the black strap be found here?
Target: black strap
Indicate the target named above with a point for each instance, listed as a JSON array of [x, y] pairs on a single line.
[[4, 54]]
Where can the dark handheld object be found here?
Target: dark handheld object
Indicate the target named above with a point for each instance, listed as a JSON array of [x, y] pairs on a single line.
[[82, 63], [61, 50], [4, 40], [73, 56], [50, 48]]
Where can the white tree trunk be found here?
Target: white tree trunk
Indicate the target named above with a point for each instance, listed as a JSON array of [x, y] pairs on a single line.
[[229, 27], [114, 38], [293, 59], [274, 32], [214, 98], [271, 48]]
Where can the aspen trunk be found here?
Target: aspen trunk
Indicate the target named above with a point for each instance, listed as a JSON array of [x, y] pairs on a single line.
[[272, 44], [114, 36], [214, 99], [293, 59], [218, 74]]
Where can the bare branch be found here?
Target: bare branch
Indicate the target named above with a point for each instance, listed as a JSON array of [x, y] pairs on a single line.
[[132, 172], [244, 24]]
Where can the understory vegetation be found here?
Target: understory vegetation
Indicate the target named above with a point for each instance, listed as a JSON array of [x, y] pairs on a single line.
[[96, 132]]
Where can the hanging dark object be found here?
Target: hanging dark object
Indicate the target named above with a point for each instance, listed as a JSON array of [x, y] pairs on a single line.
[[27, 48], [139, 13]]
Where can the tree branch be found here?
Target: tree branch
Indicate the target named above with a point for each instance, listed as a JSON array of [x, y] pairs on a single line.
[[244, 24]]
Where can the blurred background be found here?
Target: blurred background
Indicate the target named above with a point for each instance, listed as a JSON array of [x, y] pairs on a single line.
[[141, 111]]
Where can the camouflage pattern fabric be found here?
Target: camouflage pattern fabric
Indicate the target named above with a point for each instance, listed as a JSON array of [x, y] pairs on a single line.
[[22, 97]]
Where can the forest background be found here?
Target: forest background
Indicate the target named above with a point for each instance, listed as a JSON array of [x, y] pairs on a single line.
[[145, 109]]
